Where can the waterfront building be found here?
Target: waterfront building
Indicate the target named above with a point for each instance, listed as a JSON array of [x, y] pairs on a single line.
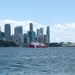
[[32, 36], [18, 32], [48, 33], [41, 31], [38, 33], [41, 39], [8, 32], [2, 35], [31, 27], [45, 39], [26, 39], [15, 39], [31, 33]]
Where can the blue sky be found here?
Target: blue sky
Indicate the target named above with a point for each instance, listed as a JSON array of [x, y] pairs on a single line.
[[48, 12], [58, 14]]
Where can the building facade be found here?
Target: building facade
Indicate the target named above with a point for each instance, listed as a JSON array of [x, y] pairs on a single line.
[[8, 32], [31, 27], [26, 39], [38, 34], [46, 39], [31, 33], [48, 33], [41, 31], [18, 32], [32, 36]]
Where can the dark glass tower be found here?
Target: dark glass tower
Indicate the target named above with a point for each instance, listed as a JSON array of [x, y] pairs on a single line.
[[48, 33], [31, 26], [7, 32], [31, 33]]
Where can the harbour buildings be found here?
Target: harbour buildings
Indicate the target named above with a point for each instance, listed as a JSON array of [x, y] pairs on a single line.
[[30, 36]]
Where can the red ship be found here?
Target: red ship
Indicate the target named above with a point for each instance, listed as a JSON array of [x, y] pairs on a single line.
[[37, 45]]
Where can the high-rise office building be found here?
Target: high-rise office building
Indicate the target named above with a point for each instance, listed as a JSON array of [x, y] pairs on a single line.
[[31, 33], [46, 40], [26, 39], [41, 39], [48, 34], [18, 35], [31, 26], [18, 31], [38, 33], [7, 32], [41, 31]]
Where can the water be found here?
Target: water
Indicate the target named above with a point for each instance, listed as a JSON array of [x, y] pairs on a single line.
[[41, 61]]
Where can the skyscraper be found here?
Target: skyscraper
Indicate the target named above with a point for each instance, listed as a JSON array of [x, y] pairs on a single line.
[[46, 41], [26, 39], [18, 31], [38, 33], [48, 34], [32, 36], [31, 26], [18, 34], [7, 32], [41, 31], [31, 33]]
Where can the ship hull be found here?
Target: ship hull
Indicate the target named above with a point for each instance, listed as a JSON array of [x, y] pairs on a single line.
[[37, 46]]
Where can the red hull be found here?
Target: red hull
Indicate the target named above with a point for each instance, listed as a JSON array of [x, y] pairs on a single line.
[[31, 46], [37, 46]]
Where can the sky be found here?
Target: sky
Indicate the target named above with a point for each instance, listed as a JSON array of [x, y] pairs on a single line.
[[58, 14]]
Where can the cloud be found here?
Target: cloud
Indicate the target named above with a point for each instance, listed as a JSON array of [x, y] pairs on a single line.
[[65, 33], [25, 25], [58, 32]]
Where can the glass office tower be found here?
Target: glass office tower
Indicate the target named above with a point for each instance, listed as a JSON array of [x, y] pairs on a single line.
[[7, 32], [48, 34]]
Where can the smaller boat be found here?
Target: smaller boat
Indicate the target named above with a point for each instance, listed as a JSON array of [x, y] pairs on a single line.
[[37, 45]]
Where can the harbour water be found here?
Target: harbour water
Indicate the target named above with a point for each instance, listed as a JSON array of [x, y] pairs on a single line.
[[37, 61]]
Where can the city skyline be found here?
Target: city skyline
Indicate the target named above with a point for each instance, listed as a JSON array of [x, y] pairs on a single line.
[[57, 33], [24, 39], [59, 15]]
